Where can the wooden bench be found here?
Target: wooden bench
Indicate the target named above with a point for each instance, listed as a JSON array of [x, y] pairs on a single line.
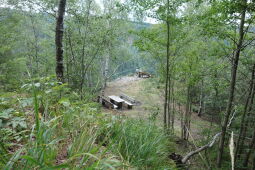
[[129, 101], [117, 101], [106, 102], [127, 98]]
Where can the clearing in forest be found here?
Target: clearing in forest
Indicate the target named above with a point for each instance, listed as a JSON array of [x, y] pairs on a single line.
[[152, 101]]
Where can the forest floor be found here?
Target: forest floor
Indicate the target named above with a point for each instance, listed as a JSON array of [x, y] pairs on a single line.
[[152, 102]]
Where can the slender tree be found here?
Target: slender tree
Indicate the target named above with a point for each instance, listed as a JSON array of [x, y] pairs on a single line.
[[167, 63], [251, 149], [233, 82], [244, 116], [84, 43], [59, 41]]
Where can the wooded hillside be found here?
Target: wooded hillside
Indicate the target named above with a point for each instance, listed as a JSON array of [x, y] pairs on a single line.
[[127, 84]]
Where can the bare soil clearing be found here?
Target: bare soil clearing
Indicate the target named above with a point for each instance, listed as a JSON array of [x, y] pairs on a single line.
[[152, 100]]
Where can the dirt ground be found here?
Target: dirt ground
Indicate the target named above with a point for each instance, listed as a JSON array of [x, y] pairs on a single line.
[[152, 102]]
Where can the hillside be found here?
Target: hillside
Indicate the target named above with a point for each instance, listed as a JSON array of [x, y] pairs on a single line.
[[94, 84]]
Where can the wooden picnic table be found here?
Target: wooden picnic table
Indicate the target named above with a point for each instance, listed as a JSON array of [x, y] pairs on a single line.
[[117, 101], [116, 98], [129, 105]]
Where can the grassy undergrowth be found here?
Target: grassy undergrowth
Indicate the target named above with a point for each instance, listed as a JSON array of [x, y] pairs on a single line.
[[142, 144], [53, 129]]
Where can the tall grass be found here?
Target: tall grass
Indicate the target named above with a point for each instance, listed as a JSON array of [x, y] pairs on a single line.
[[142, 144], [93, 143], [3, 152], [73, 131]]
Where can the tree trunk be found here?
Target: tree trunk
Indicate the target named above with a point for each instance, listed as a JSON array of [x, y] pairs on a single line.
[[186, 124], [169, 103], [251, 148], [182, 120], [106, 59], [232, 85], [248, 120], [167, 64], [108, 6], [83, 67], [215, 100], [173, 108], [248, 102], [59, 40], [253, 162], [67, 65], [201, 100], [106, 68]]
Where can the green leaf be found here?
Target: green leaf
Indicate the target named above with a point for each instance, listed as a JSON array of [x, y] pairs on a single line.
[[6, 114], [13, 159], [31, 159], [65, 102]]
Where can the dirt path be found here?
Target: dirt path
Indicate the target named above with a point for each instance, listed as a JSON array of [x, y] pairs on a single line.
[[152, 100]]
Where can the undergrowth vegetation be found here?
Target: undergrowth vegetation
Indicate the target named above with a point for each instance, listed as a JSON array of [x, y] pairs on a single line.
[[54, 129], [142, 144]]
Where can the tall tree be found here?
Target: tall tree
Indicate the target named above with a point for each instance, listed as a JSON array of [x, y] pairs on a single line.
[[234, 68], [167, 64], [246, 112], [59, 40]]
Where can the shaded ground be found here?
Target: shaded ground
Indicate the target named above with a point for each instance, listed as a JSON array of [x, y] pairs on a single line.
[[152, 104]]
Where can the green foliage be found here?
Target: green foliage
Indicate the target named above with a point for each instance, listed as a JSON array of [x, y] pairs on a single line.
[[76, 135], [141, 144], [45, 125], [13, 123]]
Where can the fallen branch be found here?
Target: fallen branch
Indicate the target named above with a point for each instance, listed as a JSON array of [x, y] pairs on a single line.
[[209, 145]]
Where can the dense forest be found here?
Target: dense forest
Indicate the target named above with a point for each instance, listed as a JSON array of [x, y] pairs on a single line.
[[187, 68]]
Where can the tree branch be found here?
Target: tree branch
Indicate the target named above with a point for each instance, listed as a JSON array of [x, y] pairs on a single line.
[[209, 145]]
